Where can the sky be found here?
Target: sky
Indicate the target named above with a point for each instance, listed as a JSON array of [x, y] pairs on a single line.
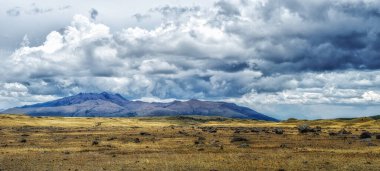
[[303, 59]]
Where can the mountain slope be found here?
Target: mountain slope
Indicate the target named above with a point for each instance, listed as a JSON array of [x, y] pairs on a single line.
[[114, 105]]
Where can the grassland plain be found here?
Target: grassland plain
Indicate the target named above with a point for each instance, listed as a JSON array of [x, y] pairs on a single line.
[[185, 143]]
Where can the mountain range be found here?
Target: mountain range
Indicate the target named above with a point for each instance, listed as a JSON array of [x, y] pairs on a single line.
[[114, 105]]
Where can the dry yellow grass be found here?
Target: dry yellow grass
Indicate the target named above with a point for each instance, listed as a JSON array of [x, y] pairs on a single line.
[[56, 143]]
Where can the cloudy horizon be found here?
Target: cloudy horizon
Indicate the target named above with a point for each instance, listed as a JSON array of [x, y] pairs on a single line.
[[302, 59]]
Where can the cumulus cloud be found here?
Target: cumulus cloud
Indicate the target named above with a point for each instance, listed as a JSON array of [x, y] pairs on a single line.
[[154, 66], [267, 52], [17, 94]]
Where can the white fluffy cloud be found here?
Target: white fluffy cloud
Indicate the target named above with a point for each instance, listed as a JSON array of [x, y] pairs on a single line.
[[12, 93], [344, 87], [267, 52]]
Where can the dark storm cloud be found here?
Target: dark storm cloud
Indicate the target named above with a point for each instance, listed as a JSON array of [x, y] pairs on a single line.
[[350, 41], [229, 66], [356, 9], [93, 13], [339, 37], [50, 86], [376, 42], [286, 36]]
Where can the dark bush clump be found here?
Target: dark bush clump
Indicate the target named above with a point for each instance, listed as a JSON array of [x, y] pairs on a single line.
[[95, 142], [255, 129], [278, 131], [238, 139], [344, 132], [136, 140], [111, 138], [22, 140], [304, 128], [200, 140], [144, 133], [365, 135], [209, 129]]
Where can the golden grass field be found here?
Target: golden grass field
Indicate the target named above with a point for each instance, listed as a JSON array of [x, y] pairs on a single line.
[[183, 143]]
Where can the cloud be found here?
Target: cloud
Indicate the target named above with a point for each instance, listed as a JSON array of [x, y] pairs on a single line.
[[25, 41], [93, 13], [64, 7], [227, 9], [268, 53], [154, 66], [33, 9], [333, 88], [37, 10], [17, 94], [140, 17], [14, 12], [174, 11]]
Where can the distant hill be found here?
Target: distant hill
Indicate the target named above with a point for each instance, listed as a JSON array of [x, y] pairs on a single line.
[[114, 105], [376, 117]]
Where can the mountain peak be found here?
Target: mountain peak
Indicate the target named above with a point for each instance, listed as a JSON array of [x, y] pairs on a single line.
[[101, 95], [106, 93], [82, 97], [115, 105], [114, 98]]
